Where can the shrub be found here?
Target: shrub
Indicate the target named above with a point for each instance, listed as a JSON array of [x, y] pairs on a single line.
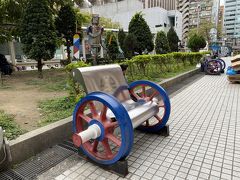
[[161, 43], [121, 38], [129, 45], [173, 40], [75, 89], [139, 27], [112, 45], [12, 130], [196, 42], [162, 62]]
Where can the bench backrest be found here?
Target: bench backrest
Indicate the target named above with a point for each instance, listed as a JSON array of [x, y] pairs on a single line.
[[105, 78]]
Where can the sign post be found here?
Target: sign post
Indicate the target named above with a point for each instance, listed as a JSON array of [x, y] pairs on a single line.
[[76, 44]]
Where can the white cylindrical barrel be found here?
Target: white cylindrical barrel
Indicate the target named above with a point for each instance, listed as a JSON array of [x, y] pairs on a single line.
[[142, 113], [93, 132]]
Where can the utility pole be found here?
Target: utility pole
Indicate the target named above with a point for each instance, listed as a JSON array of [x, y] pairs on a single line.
[[198, 15]]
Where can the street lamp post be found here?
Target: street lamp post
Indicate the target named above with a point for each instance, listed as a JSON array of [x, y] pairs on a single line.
[[198, 15]]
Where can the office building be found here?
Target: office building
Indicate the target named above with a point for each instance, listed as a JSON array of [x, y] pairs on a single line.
[[165, 4], [156, 17], [232, 22]]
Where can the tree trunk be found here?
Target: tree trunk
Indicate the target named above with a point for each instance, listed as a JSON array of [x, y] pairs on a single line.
[[39, 66], [95, 60], [68, 50], [68, 54]]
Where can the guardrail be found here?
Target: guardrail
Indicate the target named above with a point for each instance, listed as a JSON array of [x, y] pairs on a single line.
[[32, 63]]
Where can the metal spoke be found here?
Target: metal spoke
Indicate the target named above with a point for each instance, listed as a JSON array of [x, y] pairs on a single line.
[[103, 116], [95, 145], [111, 125], [107, 148], [84, 117], [153, 95], [134, 94], [143, 91], [158, 118], [114, 139], [93, 109]]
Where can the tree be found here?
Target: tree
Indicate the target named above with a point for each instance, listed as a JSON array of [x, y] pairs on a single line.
[[173, 40], [38, 32], [86, 19], [10, 15], [112, 45], [129, 45], [203, 30], [121, 37], [66, 26], [161, 43], [196, 42], [141, 30]]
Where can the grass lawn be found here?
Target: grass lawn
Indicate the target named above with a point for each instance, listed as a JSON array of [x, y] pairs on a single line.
[[55, 109], [12, 130], [54, 80]]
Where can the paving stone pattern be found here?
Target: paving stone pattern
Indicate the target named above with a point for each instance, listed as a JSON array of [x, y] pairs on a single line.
[[204, 141]]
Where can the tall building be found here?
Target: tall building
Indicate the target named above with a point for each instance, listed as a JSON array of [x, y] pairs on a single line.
[[183, 7], [165, 4], [196, 11], [232, 22], [220, 21], [157, 17], [203, 10]]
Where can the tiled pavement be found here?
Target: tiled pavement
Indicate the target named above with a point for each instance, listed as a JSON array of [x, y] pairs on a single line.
[[204, 141]]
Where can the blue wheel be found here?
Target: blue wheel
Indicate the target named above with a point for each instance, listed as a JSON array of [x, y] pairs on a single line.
[[213, 67], [117, 139], [149, 91], [223, 65]]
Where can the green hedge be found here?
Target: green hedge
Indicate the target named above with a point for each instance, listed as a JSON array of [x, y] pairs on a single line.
[[149, 66]]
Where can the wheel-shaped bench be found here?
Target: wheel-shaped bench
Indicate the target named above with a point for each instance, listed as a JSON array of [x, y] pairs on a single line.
[[213, 67], [105, 119]]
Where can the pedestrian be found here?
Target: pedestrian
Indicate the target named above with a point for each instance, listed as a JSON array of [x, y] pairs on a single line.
[[5, 66]]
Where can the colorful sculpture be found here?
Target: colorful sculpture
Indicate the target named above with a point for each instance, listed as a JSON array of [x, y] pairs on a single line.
[[104, 120], [94, 33]]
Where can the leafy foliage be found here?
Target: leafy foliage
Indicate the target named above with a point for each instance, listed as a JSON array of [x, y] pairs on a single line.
[[38, 32], [75, 89], [161, 43], [196, 42], [121, 38], [10, 15], [66, 25], [8, 124], [111, 45], [155, 67], [173, 40], [203, 30], [138, 26], [86, 18], [129, 45], [56, 109]]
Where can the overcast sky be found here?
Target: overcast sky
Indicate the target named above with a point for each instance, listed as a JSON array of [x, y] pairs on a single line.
[[222, 2]]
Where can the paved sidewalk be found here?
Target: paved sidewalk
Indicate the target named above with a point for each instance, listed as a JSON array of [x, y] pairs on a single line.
[[204, 141]]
